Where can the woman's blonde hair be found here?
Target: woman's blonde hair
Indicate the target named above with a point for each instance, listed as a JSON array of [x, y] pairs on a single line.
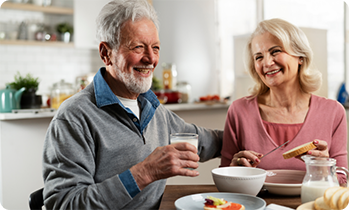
[[294, 43]]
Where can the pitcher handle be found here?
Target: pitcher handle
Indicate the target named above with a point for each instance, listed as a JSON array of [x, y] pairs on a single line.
[[346, 172]]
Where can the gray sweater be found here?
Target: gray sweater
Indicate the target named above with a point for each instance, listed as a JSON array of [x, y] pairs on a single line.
[[90, 148]]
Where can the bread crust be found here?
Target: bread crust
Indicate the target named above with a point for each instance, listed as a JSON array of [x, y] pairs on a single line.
[[299, 150]]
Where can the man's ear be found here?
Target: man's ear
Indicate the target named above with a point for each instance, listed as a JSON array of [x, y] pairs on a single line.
[[105, 53]]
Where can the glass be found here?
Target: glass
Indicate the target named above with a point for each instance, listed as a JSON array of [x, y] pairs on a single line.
[[191, 138], [320, 175]]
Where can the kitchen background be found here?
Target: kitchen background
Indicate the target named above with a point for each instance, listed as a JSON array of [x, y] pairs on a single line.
[[196, 35], [204, 38]]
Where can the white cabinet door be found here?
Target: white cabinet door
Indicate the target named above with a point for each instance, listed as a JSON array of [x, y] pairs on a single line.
[[85, 14]]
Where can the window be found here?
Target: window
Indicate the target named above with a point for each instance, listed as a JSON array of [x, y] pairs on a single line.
[[239, 17], [235, 18], [320, 14]]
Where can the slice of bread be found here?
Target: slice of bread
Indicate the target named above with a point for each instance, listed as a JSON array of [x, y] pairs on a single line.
[[299, 150], [345, 206], [335, 198], [328, 194], [320, 204], [343, 200]]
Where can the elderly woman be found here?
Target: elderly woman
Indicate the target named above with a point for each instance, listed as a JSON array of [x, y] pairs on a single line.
[[281, 106]]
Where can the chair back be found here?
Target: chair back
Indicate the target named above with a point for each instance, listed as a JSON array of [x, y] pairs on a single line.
[[36, 199]]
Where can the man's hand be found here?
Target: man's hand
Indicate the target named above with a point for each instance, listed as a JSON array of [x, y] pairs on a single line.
[[165, 162]]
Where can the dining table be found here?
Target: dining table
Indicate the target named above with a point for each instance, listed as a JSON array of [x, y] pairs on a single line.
[[174, 192]]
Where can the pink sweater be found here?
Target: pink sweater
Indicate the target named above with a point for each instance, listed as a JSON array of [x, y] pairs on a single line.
[[244, 130]]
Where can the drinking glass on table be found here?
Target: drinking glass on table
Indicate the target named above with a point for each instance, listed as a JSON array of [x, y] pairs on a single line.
[[191, 138]]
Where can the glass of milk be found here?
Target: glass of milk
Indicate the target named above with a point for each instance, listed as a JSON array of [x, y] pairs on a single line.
[[191, 138], [321, 174]]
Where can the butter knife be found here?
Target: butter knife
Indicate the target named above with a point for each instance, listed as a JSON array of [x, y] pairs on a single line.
[[275, 149]]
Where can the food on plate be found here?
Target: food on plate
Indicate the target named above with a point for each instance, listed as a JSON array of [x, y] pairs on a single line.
[[320, 204], [213, 203], [334, 198], [344, 199], [329, 192], [299, 150]]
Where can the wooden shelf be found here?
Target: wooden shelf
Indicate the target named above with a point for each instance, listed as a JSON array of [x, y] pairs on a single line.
[[33, 7], [36, 43]]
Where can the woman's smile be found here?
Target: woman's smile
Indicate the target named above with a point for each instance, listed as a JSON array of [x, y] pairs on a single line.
[[273, 72]]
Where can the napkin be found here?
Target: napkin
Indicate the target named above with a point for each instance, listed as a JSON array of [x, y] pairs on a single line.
[[273, 206]]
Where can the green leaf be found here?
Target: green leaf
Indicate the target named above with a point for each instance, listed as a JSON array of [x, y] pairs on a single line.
[[29, 82]]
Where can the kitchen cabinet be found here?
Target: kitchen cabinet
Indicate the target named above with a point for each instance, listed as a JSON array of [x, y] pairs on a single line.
[[36, 8], [21, 143]]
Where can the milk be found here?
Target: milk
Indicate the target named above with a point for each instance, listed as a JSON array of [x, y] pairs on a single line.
[[314, 189], [190, 141]]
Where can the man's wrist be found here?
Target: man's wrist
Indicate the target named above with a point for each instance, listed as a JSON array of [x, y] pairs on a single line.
[[140, 175]]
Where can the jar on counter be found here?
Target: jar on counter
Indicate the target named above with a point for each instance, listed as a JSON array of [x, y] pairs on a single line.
[[185, 89], [60, 92], [169, 76]]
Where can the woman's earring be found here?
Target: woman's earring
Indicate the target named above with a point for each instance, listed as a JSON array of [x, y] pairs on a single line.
[[301, 60]]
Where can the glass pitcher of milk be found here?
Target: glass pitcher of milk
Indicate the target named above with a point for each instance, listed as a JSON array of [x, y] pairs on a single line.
[[321, 174]]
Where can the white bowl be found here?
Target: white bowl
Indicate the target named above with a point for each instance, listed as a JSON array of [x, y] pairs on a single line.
[[245, 180], [284, 182]]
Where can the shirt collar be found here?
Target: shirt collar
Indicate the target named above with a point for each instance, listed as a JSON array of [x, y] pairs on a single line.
[[105, 96]]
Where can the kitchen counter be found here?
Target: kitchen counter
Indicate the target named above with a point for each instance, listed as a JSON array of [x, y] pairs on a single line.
[[28, 114], [196, 106], [49, 113]]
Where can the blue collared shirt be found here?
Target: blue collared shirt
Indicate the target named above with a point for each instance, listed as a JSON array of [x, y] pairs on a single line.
[[148, 104]]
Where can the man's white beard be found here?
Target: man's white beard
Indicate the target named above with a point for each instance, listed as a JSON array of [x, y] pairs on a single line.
[[136, 85]]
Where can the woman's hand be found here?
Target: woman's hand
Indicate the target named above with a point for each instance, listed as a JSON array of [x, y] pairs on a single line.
[[321, 149], [246, 158]]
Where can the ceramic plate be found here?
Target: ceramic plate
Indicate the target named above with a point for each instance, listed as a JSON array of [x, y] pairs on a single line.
[[307, 206], [284, 182], [196, 201]]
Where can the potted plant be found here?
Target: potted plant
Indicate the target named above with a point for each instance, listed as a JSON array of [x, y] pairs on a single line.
[[65, 30], [29, 99]]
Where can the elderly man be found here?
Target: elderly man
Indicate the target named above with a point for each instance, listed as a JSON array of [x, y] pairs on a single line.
[[108, 145]]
